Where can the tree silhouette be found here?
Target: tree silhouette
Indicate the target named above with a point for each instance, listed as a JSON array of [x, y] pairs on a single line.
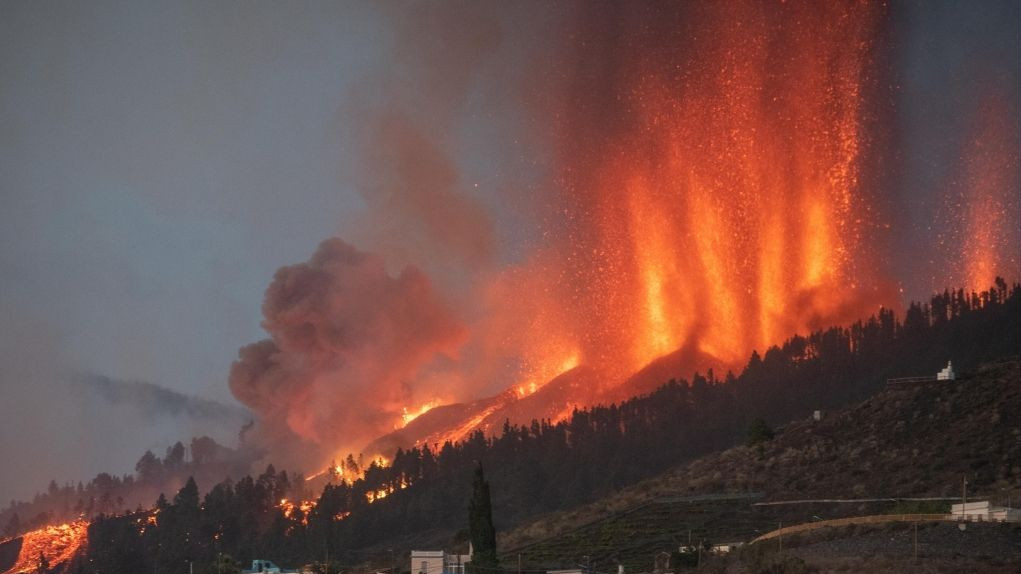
[[480, 524], [759, 432]]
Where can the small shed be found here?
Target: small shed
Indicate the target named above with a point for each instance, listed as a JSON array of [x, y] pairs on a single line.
[[947, 374]]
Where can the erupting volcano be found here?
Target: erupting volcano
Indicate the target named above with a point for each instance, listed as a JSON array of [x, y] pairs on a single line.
[[715, 186]]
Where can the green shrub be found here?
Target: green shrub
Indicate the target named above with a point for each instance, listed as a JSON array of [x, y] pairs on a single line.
[[759, 432]]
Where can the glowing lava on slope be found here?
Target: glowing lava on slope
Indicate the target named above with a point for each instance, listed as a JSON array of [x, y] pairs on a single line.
[[57, 544], [408, 416]]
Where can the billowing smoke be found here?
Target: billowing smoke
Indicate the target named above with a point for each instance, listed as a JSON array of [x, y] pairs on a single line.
[[348, 341]]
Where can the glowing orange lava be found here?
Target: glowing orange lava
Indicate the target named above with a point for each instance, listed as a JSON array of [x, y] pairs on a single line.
[[408, 416], [988, 204], [546, 370], [57, 543], [465, 428], [723, 209]]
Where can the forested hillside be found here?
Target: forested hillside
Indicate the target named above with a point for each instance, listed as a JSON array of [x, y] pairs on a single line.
[[906, 441], [421, 496]]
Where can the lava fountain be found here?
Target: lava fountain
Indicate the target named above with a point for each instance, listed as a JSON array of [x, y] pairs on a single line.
[[711, 178], [981, 238]]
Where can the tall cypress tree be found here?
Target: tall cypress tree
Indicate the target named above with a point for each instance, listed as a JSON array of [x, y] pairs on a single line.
[[480, 525]]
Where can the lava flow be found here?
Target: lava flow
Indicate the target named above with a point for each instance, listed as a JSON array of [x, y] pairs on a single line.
[[408, 416], [58, 544]]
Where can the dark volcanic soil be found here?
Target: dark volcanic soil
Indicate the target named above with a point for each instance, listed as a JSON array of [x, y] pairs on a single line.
[[941, 547]]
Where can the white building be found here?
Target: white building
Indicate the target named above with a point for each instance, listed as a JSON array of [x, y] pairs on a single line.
[[983, 511], [438, 562], [947, 374]]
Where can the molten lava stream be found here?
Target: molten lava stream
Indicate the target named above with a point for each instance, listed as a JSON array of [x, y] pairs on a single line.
[[57, 543], [409, 415]]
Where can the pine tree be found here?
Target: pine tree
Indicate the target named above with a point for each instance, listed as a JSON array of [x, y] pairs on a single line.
[[759, 432], [187, 499], [480, 525]]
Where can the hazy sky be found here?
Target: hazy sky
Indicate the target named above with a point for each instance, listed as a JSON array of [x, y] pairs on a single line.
[[160, 161], [950, 58]]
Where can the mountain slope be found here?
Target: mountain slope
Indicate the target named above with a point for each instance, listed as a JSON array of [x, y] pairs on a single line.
[[904, 442]]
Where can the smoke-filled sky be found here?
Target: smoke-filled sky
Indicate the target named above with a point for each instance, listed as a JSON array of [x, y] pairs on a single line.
[[160, 162]]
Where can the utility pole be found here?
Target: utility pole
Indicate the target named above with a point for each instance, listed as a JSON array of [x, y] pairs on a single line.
[[780, 535], [519, 563], [964, 496]]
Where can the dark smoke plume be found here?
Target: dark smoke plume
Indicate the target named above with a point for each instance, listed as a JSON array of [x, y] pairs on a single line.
[[348, 343]]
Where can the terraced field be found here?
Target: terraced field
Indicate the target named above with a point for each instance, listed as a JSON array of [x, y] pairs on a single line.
[[634, 536]]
